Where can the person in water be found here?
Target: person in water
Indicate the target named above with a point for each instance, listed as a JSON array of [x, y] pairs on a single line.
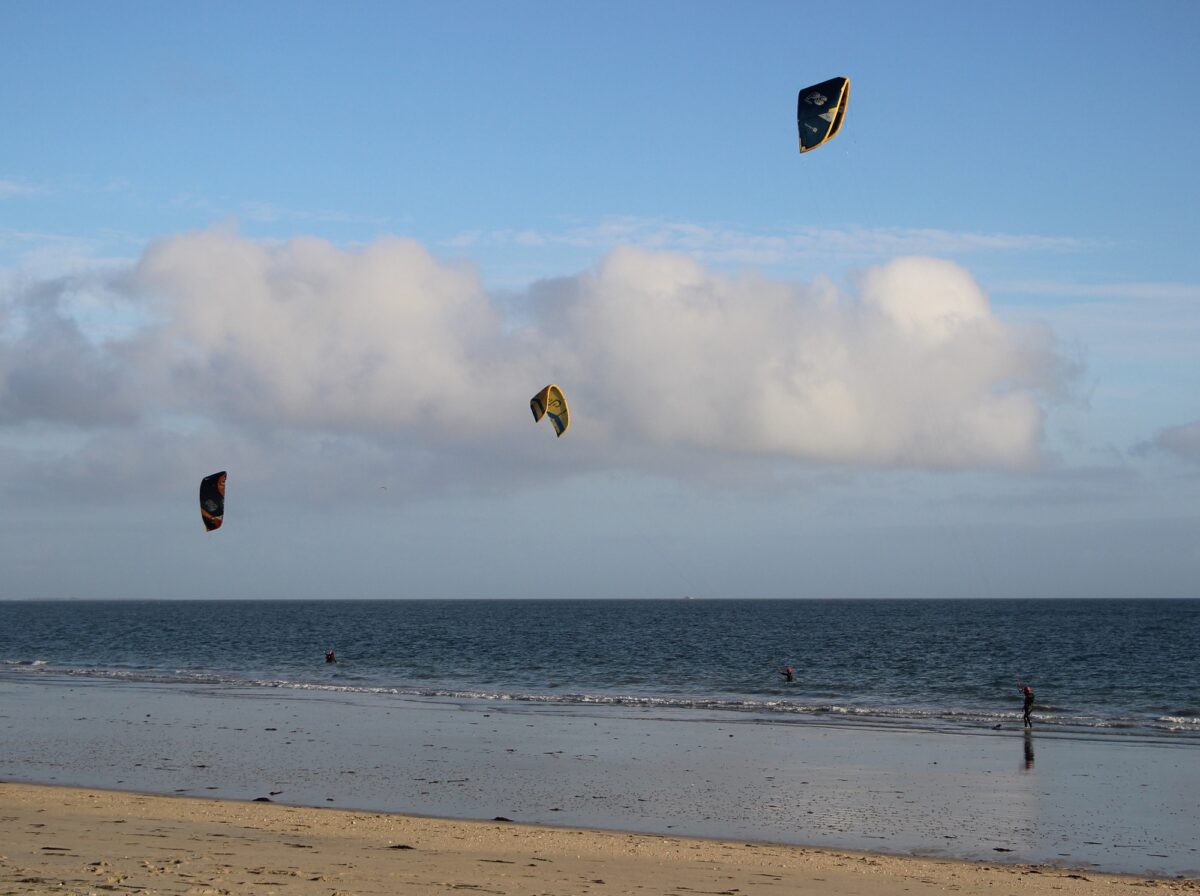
[[1028, 692], [329, 657], [787, 674]]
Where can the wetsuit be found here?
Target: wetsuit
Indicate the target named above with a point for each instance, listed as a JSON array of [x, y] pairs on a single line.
[[1028, 708]]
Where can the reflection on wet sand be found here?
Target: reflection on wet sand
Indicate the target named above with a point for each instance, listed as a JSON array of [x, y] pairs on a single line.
[[671, 773]]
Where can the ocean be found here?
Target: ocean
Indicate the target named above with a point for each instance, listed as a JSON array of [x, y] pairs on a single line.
[[1119, 668]]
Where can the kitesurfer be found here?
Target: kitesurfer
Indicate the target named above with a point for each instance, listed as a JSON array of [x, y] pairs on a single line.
[[1028, 692], [788, 674], [329, 657]]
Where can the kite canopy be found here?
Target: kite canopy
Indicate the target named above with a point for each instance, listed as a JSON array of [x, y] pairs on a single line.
[[820, 110], [212, 500], [551, 403]]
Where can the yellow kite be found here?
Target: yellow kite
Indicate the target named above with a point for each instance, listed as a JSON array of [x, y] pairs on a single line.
[[551, 403]]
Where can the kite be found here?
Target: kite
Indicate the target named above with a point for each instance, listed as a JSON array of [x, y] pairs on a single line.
[[212, 500], [820, 110], [551, 403]]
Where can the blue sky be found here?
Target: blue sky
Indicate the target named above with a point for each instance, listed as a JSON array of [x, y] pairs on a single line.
[[335, 250]]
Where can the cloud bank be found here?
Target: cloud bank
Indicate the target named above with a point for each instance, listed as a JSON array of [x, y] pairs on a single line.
[[307, 347]]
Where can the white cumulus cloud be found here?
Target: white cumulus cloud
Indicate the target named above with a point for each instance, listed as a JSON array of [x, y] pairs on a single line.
[[913, 370], [309, 335], [391, 349]]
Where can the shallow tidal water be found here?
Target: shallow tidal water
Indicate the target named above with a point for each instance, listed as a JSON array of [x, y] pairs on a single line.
[[1123, 804]]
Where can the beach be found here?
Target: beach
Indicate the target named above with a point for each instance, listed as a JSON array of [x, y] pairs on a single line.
[[84, 841], [656, 791]]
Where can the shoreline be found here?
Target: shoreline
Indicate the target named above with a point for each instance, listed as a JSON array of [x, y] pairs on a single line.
[[83, 840], [1117, 807]]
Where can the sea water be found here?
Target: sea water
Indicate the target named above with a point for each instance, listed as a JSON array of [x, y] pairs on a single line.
[[1119, 668]]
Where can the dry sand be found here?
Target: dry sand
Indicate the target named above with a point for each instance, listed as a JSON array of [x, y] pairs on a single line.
[[84, 841]]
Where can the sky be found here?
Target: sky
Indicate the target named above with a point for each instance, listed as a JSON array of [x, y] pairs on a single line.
[[335, 250]]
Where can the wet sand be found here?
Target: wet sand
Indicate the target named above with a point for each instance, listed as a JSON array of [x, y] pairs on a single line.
[[65, 840], [1089, 804]]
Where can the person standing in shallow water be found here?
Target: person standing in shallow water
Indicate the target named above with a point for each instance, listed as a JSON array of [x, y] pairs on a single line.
[[1028, 718]]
